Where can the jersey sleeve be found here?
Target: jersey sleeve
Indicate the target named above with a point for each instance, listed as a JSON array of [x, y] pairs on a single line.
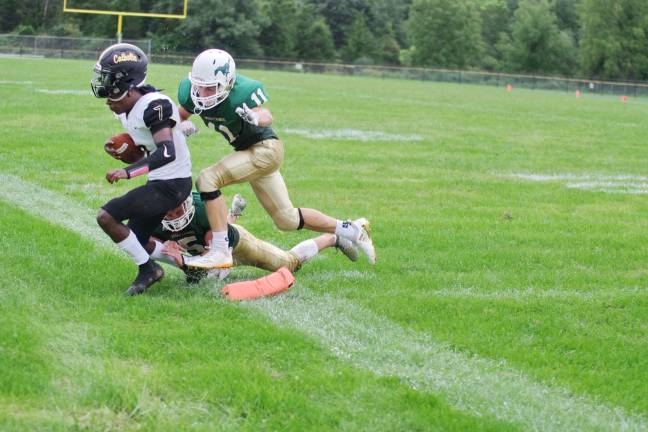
[[201, 213], [158, 115], [184, 95]]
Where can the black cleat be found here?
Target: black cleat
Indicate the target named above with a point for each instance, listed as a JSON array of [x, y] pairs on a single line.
[[194, 276], [149, 273]]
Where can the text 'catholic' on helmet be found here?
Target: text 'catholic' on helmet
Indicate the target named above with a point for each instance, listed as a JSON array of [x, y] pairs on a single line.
[[120, 68]]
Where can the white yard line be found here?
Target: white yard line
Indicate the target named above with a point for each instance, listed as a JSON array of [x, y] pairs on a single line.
[[351, 134], [481, 387], [65, 92], [620, 184], [9, 82], [530, 293]]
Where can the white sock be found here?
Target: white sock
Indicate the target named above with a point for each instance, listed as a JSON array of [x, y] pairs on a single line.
[[305, 250], [219, 240], [347, 230], [159, 256], [134, 249]]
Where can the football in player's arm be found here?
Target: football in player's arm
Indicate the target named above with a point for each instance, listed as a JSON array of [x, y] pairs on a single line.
[[151, 119], [185, 231], [231, 104]]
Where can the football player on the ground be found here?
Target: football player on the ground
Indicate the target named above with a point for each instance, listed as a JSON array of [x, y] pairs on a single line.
[[232, 105], [185, 230], [152, 120]]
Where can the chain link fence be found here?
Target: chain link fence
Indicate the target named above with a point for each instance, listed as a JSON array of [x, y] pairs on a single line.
[[571, 85], [61, 47], [90, 48]]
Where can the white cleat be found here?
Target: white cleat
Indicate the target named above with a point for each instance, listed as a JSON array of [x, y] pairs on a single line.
[[213, 259], [238, 205], [347, 247], [364, 242]]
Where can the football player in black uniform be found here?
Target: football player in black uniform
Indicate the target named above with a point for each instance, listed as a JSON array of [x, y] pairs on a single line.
[[152, 120]]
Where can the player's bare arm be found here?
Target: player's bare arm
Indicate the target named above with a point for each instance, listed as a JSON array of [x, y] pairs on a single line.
[[165, 154], [184, 114]]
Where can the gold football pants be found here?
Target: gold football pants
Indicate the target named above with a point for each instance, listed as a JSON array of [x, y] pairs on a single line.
[[258, 253], [259, 166]]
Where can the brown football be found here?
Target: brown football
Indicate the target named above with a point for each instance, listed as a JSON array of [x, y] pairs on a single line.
[[123, 147]]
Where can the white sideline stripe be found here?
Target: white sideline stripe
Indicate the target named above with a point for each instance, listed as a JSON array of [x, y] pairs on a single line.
[[481, 387], [65, 92], [478, 386], [52, 207], [352, 134]]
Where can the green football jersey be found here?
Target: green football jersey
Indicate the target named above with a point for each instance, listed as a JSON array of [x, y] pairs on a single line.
[[192, 237], [223, 118]]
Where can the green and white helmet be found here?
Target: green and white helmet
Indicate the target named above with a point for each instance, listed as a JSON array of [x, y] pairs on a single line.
[[212, 68], [179, 223]]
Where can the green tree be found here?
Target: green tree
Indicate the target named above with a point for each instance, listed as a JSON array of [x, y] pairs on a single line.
[[538, 45], [279, 37], [24, 14], [495, 28], [389, 17], [316, 42], [233, 26], [340, 15], [388, 51], [360, 43], [445, 33], [613, 42], [566, 14]]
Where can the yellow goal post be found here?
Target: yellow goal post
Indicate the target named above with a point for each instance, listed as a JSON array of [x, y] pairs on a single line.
[[121, 14]]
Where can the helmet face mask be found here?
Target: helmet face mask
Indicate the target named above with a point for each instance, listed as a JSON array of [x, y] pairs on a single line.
[[188, 210], [212, 76], [120, 68]]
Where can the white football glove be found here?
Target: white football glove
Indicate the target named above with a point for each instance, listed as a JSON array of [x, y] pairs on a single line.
[[248, 115], [188, 128], [238, 205]]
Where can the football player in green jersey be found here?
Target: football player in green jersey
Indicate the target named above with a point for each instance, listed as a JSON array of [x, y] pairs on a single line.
[[185, 230], [232, 105]]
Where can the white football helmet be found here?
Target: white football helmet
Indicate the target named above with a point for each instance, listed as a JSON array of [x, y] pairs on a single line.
[[212, 68], [179, 223]]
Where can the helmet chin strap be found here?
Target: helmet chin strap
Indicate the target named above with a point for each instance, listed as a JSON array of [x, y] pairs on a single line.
[[120, 97]]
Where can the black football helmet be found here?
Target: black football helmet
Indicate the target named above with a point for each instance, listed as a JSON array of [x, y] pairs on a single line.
[[120, 68]]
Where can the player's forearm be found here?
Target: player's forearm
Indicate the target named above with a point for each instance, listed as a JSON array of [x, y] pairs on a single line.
[[163, 155], [184, 114]]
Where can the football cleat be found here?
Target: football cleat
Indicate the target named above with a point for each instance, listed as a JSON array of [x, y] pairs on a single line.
[[347, 247], [238, 205], [212, 259], [147, 275], [364, 242], [194, 276]]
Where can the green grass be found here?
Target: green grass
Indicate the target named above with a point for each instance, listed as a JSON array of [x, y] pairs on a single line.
[[546, 279]]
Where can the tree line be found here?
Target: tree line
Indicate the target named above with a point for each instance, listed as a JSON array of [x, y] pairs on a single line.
[[588, 38]]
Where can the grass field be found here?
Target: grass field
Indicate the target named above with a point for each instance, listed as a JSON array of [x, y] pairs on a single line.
[[510, 290]]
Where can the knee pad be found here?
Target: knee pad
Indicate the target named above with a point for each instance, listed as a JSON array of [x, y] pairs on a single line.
[[287, 220]]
